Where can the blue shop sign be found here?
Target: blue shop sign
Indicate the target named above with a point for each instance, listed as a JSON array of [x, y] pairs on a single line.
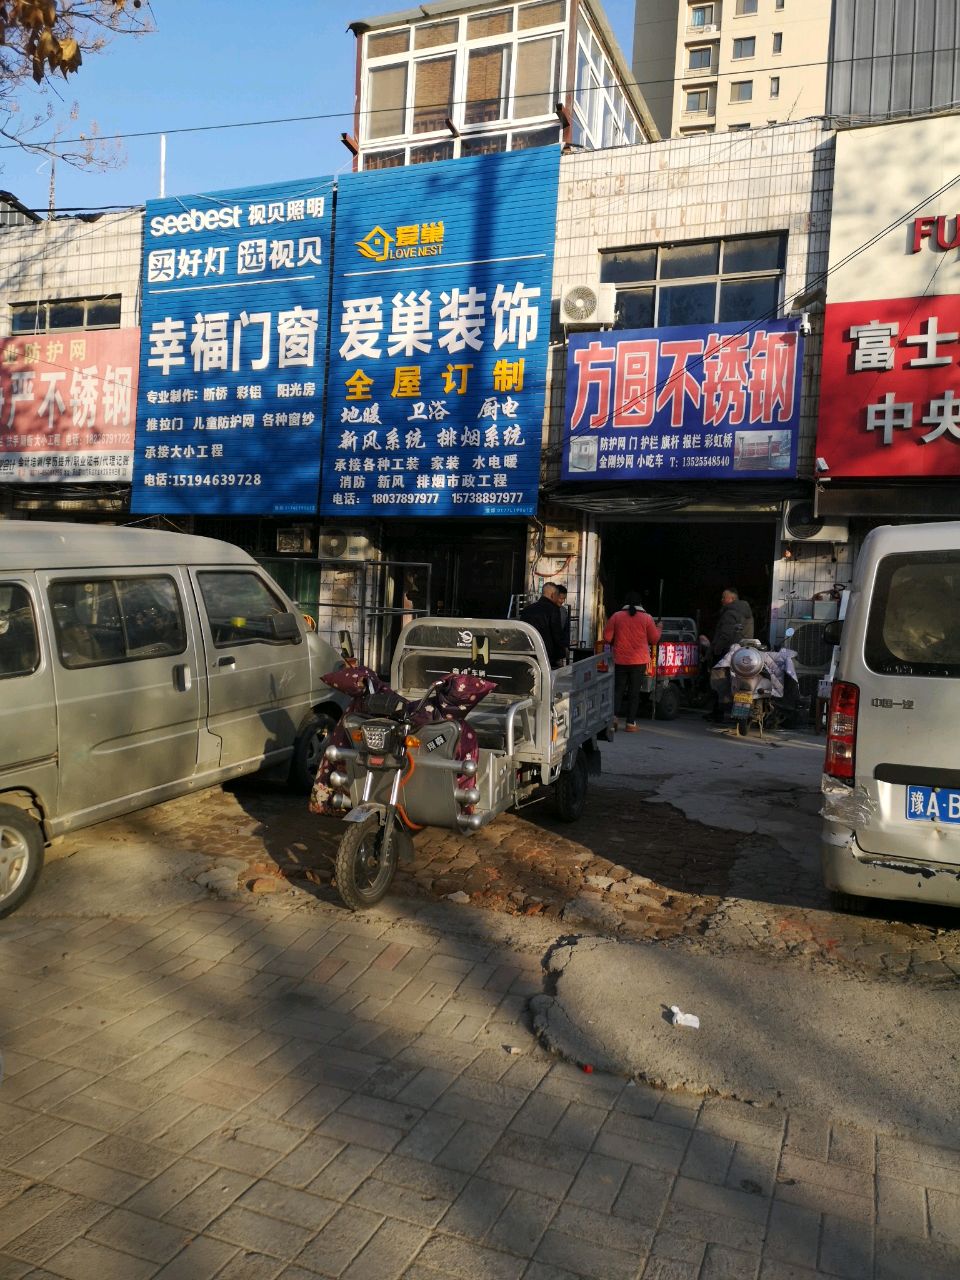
[[439, 337], [233, 348], [700, 402]]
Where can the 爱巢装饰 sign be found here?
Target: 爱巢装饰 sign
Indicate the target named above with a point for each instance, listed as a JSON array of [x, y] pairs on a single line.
[[439, 337], [233, 347]]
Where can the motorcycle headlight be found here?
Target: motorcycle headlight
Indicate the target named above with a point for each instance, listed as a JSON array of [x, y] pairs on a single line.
[[747, 662], [377, 737]]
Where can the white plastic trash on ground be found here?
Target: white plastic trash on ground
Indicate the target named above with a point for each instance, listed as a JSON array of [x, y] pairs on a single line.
[[681, 1019]]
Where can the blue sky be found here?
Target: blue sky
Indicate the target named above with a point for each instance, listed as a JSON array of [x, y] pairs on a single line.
[[189, 73]]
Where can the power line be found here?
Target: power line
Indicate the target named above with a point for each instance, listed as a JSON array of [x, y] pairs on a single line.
[[265, 122]]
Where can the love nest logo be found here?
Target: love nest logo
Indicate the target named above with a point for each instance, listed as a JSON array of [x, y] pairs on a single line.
[[412, 240]]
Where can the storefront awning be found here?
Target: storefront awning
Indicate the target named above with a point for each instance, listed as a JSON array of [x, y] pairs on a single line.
[[687, 498], [884, 498]]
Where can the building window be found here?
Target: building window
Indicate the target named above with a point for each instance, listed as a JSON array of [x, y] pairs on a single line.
[[778, 42], [65, 313], [488, 80], [700, 59], [385, 159], [746, 6], [779, 4], [696, 101], [701, 15], [741, 91], [543, 13], [745, 48], [387, 101], [538, 66], [774, 86], [433, 94], [697, 282], [738, 128]]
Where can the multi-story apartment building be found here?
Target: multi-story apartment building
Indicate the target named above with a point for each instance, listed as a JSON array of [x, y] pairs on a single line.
[[708, 66], [477, 76]]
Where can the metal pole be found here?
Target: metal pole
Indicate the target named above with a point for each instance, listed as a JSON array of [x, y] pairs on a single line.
[[163, 165]]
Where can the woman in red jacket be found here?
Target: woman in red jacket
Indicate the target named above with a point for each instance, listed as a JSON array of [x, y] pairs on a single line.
[[630, 632]]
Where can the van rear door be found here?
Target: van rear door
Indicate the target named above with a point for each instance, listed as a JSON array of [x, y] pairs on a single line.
[[129, 697], [257, 664], [908, 727]]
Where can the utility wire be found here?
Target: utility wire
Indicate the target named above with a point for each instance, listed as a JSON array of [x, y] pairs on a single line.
[[742, 73]]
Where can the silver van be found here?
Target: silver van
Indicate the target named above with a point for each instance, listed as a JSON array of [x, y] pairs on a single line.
[[891, 784], [136, 666]]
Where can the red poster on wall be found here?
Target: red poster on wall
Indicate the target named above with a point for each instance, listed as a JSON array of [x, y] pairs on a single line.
[[890, 388], [68, 406]]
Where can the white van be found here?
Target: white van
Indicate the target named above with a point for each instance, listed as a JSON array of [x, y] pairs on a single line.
[[136, 666], [891, 784]]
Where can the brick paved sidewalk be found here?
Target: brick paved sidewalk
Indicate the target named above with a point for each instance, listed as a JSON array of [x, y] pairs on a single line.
[[253, 1091]]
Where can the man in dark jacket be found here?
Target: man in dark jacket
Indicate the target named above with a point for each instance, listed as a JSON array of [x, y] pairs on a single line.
[[735, 623], [544, 615]]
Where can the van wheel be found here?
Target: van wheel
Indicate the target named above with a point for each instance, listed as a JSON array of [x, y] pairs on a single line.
[[570, 790], [308, 753], [668, 704], [21, 857], [365, 867]]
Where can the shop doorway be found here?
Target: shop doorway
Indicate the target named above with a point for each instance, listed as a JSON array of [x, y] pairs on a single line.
[[694, 561], [474, 570]]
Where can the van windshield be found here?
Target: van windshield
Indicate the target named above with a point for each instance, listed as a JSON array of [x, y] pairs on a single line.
[[914, 625]]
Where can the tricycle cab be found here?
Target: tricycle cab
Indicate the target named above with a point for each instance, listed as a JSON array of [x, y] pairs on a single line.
[[529, 730]]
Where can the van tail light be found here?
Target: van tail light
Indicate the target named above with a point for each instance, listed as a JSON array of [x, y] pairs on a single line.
[[842, 731]]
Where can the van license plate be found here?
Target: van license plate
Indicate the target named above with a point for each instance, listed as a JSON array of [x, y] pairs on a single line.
[[925, 804]]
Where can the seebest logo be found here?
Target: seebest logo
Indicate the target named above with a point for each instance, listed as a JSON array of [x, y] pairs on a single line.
[[415, 240], [174, 224]]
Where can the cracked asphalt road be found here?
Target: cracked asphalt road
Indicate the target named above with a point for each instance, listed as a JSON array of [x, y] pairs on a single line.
[[690, 835]]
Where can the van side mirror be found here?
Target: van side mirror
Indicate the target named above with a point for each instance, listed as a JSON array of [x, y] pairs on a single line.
[[284, 626], [831, 632]]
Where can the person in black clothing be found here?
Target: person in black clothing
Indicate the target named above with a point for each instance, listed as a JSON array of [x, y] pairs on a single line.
[[735, 623], [544, 615]]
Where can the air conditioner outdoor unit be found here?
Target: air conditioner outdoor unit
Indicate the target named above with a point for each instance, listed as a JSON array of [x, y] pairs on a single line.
[[343, 544], [801, 525], [296, 541], [813, 652], [588, 303]]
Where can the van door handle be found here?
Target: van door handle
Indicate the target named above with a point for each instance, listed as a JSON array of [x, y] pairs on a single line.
[[183, 677], [227, 662]]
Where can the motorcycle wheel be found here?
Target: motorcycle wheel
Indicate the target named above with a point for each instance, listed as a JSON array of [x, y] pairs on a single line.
[[364, 868], [743, 728], [570, 791], [668, 704]]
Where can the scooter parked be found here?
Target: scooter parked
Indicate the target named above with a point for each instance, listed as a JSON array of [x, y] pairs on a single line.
[[754, 680]]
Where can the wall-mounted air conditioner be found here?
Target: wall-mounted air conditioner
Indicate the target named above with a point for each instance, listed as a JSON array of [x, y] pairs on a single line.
[[587, 304], [343, 544], [800, 524]]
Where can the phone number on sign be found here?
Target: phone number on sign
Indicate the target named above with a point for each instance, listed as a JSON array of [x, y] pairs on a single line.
[[221, 479], [500, 499]]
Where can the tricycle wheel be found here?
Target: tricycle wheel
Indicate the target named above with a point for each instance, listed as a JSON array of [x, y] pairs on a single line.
[[570, 790], [364, 868], [21, 857], [668, 704], [743, 727]]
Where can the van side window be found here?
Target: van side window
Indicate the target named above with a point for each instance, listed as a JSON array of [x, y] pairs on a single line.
[[103, 620], [241, 609], [914, 624], [19, 644]]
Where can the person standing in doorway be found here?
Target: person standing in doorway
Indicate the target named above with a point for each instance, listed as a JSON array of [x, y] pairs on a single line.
[[630, 632], [734, 623], [564, 618], [544, 616]]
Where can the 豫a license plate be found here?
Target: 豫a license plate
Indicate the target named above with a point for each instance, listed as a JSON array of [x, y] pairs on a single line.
[[933, 804], [742, 703]]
